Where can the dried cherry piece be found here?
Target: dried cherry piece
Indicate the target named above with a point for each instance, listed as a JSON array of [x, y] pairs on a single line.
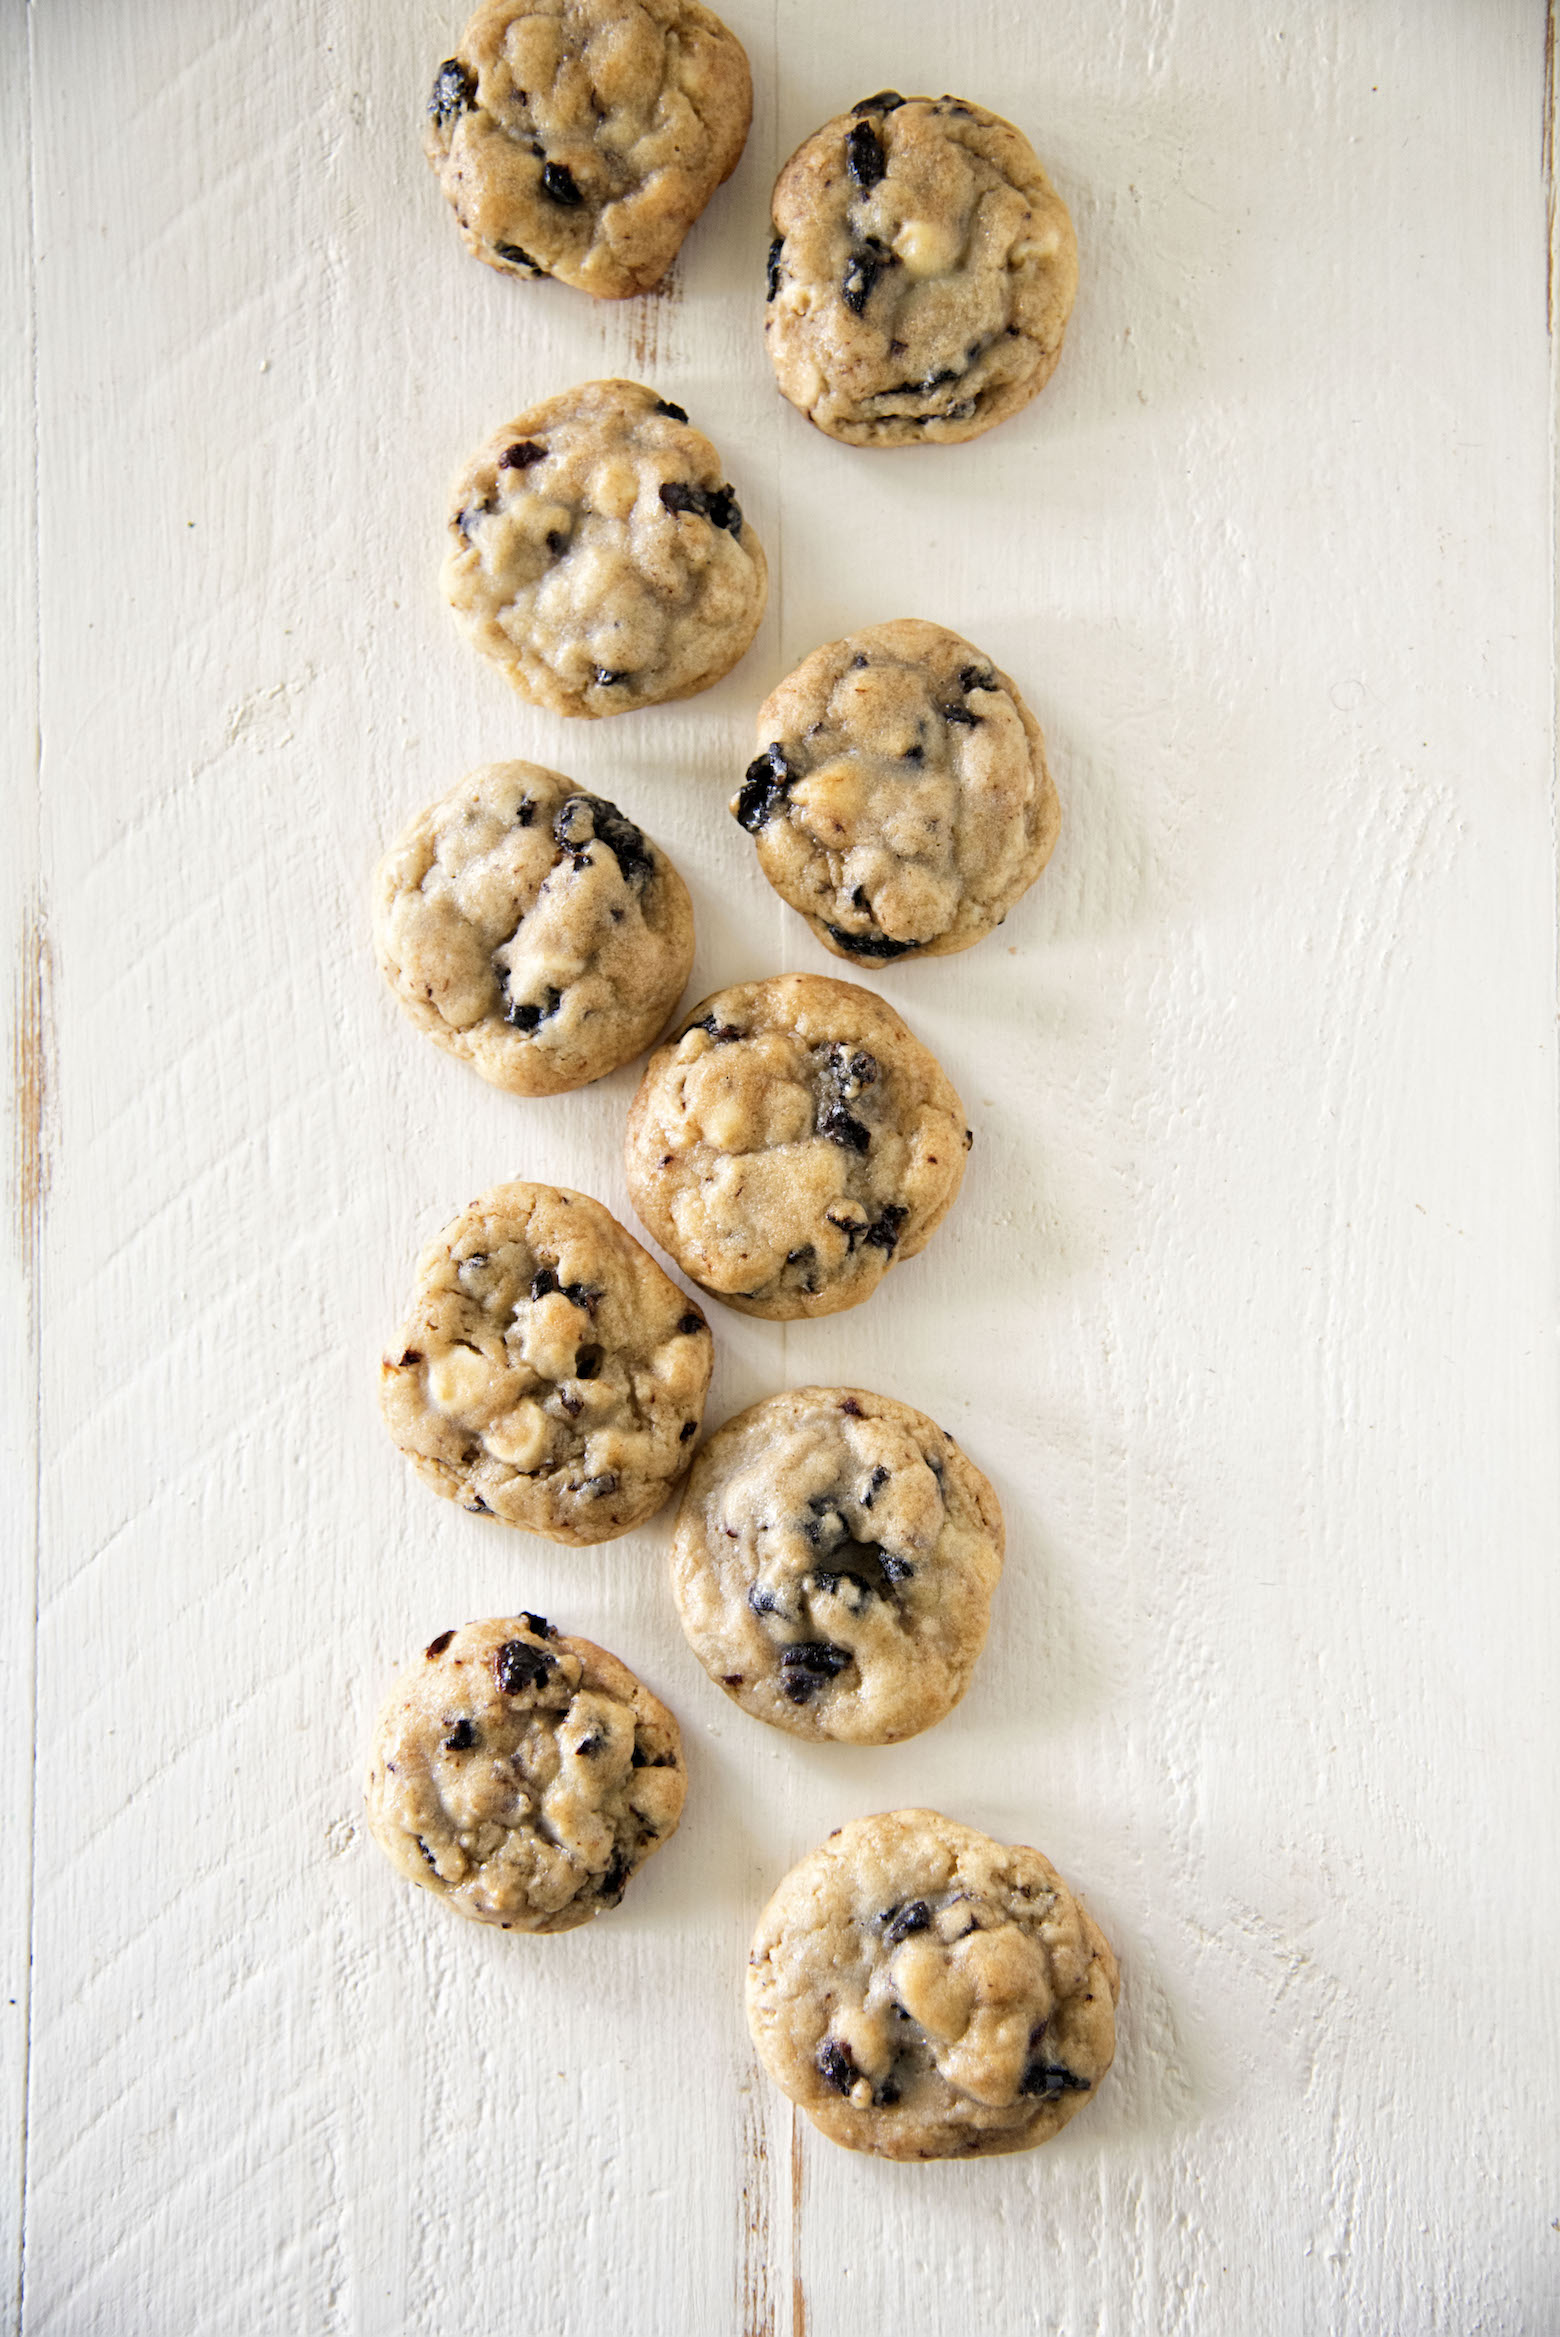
[[864, 154], [558, 184], [518, 1666]]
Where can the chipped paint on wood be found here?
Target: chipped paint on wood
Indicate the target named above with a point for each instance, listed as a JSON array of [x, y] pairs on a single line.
[[756, 2305]]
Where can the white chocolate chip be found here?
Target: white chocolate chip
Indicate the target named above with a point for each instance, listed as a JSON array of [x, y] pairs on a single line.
[[928, 247], [520, 1437], [458, 1381]]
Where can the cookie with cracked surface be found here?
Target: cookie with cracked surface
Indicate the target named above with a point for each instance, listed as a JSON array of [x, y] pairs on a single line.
[[529, 928], [921, 274], [833, 1564], [900, 798], [922, 1991], [582, 138], [599, 555], [521, 1776], [548, 1373], [791, 1142]]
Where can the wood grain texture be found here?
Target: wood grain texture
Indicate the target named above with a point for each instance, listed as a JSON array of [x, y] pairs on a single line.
[[24, 970], [1248, 1307]]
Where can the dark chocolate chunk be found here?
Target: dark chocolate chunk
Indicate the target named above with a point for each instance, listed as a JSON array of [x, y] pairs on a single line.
[[763, 1602], [519, 259], [960, 716], [428, 1854], [688, 1428], [725, 511], [612, 1883], [886, 2096], [1049, 2080], [574, 1405], [772, 270], [543, 1282], [886, 101], [539, 1625], [557, 541], [524, 1015], [898, 1924], [869, 945], [766, 782], [691, 1323], [608, 676], [665, 406], [476, 1507], [801, 1257], [588, 1362], [975, 677], [454, 92], [841, 1127], [436, 1647], [558, 184], [716, 504], [720, 1032], [807, 1663], [884, 1230], [521, 456], [461, 1738], [853, 1410], [864, 154], [589, 1746], [600, 1487], [835, 2065], [844, 1077], [518, 1666], [865, 267], [896, 1569], [875, 1485], [411, 1356], [586, 818]]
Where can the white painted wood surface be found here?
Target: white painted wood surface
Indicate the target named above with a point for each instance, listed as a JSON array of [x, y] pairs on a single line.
[[1248, 1307]]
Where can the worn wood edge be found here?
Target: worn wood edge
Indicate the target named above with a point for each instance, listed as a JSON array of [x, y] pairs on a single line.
[[24, 948]]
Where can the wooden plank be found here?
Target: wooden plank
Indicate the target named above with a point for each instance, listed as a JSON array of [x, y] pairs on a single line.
[[1248, 1307], [24, 956]]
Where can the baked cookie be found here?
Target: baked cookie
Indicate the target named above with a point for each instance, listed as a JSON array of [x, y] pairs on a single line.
[[924, 1992], [548, 1372], [833, 1565], [900, 798], [791, 1142], [522, 1777], [921, 275], [582, 138], [598, 556], [532, 930]]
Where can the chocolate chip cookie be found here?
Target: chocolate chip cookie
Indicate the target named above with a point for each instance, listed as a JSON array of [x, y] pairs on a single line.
[[548, 1373], [582, 138], [924, 1992], [521, 1776], [791, 1142], [921, 275], [599, 556], [532, 930], [900, 798], [833, 1565]]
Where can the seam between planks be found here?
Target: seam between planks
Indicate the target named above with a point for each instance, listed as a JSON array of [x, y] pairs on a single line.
[[32, 1104]]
